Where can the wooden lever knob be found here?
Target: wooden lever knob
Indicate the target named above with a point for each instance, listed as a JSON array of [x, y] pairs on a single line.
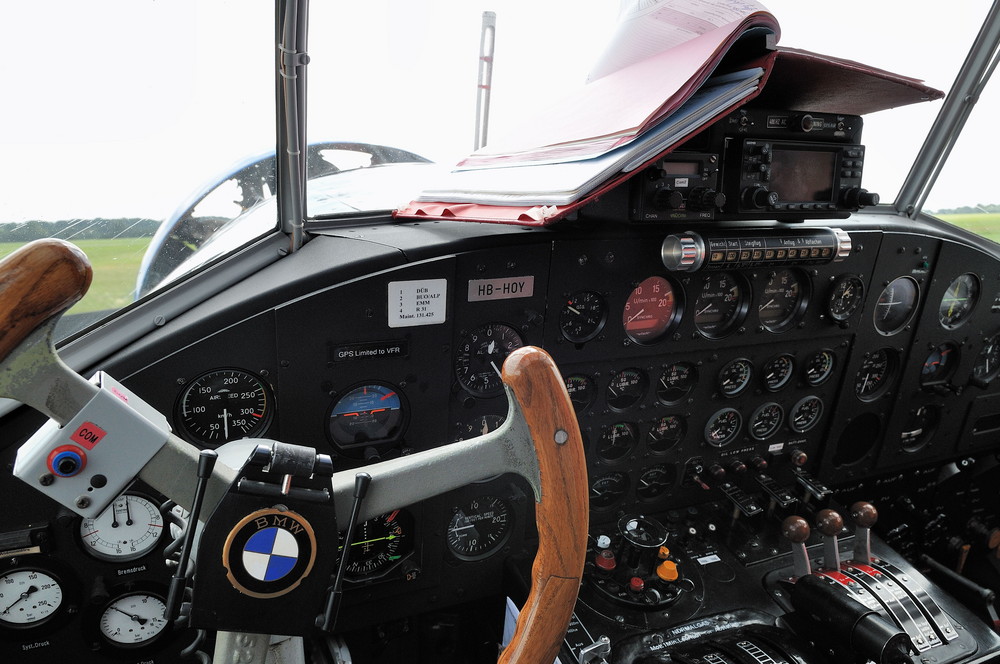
[[38, 281]]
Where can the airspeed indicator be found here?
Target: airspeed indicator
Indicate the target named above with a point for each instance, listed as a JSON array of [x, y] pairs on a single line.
[[224, 405]]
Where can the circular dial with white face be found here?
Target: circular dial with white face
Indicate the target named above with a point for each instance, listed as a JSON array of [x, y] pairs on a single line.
[[28, 597], [129, 528], [133, 620]]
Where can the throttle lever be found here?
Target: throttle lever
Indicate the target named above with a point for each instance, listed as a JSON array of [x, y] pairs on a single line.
[[864, 516]]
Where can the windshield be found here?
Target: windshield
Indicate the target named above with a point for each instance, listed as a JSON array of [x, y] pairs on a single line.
[[142, 129]]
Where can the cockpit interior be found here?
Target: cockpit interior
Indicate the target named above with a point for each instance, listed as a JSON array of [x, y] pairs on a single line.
[[784, 395]]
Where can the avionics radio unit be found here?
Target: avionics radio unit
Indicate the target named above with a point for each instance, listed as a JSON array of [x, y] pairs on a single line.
[[781, 165]]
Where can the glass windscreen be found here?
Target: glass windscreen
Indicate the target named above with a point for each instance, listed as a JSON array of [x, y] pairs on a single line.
[[406, 73], [122, 125]]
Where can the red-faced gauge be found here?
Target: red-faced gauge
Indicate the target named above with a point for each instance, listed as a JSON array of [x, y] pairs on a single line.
[[650, 311]]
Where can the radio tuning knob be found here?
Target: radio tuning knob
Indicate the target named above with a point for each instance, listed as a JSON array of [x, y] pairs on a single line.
[[683, 253], [702, 198], [759, 198], [856, 197], [668, 199]]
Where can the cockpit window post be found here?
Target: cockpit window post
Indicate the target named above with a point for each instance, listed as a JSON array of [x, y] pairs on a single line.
[[971, 80]]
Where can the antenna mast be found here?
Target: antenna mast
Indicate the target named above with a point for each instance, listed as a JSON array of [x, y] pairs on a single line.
[[486, 43]]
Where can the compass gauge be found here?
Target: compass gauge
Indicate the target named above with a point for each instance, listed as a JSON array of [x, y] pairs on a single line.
[[958, 301], [896, 305]]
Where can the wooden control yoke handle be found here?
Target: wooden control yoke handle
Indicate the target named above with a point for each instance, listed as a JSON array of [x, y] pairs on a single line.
[[562, 513], [45, 278], [40, 280]]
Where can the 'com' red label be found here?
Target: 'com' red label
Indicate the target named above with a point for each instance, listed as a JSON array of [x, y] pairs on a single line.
[[88, 435]]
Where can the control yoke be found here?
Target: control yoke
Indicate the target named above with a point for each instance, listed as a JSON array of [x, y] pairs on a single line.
[[99, 427]]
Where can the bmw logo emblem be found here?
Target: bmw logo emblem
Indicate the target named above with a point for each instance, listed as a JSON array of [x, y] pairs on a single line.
[[269, 552]]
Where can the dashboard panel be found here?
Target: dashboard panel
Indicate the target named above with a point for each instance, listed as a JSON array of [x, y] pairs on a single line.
[[727, 374]]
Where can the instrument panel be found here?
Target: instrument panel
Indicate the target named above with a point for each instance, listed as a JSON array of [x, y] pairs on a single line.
[[725, 386]]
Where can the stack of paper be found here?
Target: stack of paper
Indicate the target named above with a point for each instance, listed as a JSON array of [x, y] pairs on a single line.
[[653, 87]]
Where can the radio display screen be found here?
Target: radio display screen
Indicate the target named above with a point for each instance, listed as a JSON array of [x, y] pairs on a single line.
[[803, 176]]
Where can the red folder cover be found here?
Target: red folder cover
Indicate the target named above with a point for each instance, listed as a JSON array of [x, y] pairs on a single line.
[[794, 79]]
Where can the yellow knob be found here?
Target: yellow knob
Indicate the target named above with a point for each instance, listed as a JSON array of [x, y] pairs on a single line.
[[663, 553], [667, 570]]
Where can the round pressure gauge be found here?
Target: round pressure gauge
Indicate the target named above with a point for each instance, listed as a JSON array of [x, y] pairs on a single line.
[[133, 620], [129, 528], [28, 597]]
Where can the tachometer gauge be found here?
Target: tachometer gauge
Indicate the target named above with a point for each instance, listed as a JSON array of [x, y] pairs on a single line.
[[608, 489], [721, 305], [224, 405], [480, 358], [676, 382], [776, 373], [875, 374], [129, 528], [783, 300], [366, 414], [819, 367], [765, 421], [665, 433], [650, 310], [655, 481], [133, 620], [582, 391], [735, 376], [617, 440], [847, 296], [896, 305], [28, 597], [805, 414], [582, 317], [479, 527], [723, 427], [988, 363], [379, 543], [940, 364], [959, 301], [626, 388]]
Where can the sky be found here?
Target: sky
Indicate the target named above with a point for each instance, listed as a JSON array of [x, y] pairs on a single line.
[[124, 107]]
